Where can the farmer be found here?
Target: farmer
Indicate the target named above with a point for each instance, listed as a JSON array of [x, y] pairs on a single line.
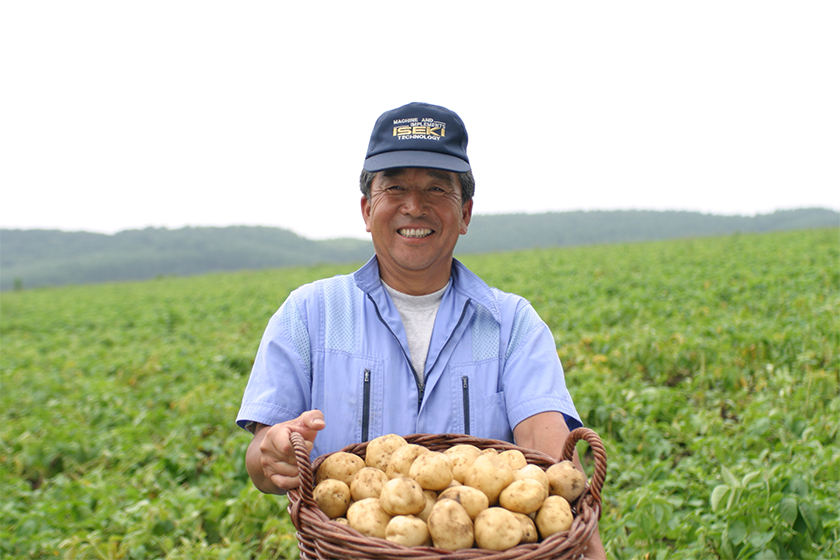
[[413, 342]]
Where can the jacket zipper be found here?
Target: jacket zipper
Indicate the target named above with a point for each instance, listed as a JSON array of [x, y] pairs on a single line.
[[465, 384], [421, 383], [366, 407]]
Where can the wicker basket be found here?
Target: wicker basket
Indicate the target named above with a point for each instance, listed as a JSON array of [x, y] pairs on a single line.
[[324, 539]]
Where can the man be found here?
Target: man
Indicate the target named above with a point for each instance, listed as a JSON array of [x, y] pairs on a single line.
[[413, 342]]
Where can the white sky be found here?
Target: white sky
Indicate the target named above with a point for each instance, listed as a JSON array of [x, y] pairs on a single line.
[[120, 115]]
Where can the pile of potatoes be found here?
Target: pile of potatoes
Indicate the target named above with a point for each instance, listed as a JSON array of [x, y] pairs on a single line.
[[454, 499]]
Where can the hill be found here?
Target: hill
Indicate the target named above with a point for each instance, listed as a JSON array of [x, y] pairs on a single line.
[[51, 258], [33, 258], [507, 232]]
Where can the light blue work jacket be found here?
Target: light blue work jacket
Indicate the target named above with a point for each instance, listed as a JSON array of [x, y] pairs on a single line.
[[338, 345]]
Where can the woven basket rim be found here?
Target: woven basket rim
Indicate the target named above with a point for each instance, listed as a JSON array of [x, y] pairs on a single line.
[[322, 538]]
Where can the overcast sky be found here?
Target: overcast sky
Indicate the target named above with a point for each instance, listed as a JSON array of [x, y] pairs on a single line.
[[121, 115]]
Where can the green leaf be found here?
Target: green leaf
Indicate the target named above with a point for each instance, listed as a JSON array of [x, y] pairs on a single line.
[[726, 549], [749, 477], [788, 509], [810, 516], [728, 477], [759, 540], [720, 492], [798, 486], [658, 513], [734, 498], [737, 532], [800, 526], [636, 535], [767, 554]]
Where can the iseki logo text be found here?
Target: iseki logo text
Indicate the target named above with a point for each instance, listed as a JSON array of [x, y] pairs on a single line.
[[419, 129]]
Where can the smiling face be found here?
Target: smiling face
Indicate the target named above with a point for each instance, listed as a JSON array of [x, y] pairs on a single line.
[[415, 217]]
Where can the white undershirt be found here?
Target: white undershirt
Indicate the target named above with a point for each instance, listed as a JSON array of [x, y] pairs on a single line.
[[418, 316]]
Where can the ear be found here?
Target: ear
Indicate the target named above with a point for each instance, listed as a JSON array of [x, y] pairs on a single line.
[[466, 216], [366, 212]]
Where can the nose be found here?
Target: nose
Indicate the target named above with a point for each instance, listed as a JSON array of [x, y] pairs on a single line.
[[414, 203]]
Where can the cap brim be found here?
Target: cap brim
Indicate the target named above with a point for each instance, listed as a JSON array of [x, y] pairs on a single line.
[[412, 158]]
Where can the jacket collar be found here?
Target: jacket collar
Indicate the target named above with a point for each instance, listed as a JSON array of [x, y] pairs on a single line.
[[464, 282]]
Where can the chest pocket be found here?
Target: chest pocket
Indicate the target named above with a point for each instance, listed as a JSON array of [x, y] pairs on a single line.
[[478, 402], [348, 392]]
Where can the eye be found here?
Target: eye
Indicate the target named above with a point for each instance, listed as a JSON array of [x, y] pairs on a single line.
[[390, 189]]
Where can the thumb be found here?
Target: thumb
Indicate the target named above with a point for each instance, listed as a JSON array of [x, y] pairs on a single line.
[[309, 424]]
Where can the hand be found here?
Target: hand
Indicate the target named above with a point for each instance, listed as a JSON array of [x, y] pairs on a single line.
[[595, 551], [271, 459], [547, 432]]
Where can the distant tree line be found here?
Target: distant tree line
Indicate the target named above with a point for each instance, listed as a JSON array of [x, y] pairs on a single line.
[[510, 232], [48, 258], [33, 258]]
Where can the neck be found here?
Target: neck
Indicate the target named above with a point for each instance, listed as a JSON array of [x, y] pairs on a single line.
[[415, 282]]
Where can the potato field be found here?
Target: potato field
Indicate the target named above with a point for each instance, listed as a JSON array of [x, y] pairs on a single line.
[[709, 367]]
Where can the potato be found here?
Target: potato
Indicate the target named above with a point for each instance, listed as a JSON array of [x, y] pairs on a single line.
[[534, 472], [497, 529], [431, 498], [523, 496], [367, 483], [432, 470], [554, 516], [566, 480], [450, 526], [462, 459], [474, 500], [367, 517], [333, 497], [461, 448], [379, 450], [402, 496], [400, 461], [408, 530], [514, 458], [529, 530], [342, 521], [340, 466], [490, 475]]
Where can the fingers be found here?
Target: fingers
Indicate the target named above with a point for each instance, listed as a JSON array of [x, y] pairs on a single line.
[[278, 459], [277, 454], [308, 424]]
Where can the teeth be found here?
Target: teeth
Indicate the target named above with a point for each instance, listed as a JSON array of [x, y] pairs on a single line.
[[415, 232]]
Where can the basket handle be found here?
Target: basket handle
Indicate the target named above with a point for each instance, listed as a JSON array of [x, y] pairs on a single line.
[[600, 473], [303, 493]]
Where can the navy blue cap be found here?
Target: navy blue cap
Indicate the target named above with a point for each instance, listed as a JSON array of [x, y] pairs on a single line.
[[418, 135]]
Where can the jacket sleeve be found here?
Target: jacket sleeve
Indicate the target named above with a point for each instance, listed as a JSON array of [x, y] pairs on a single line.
[[279, 388], [532, 376]]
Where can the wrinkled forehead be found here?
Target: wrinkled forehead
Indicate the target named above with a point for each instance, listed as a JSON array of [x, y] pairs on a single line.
[[438, 174]]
